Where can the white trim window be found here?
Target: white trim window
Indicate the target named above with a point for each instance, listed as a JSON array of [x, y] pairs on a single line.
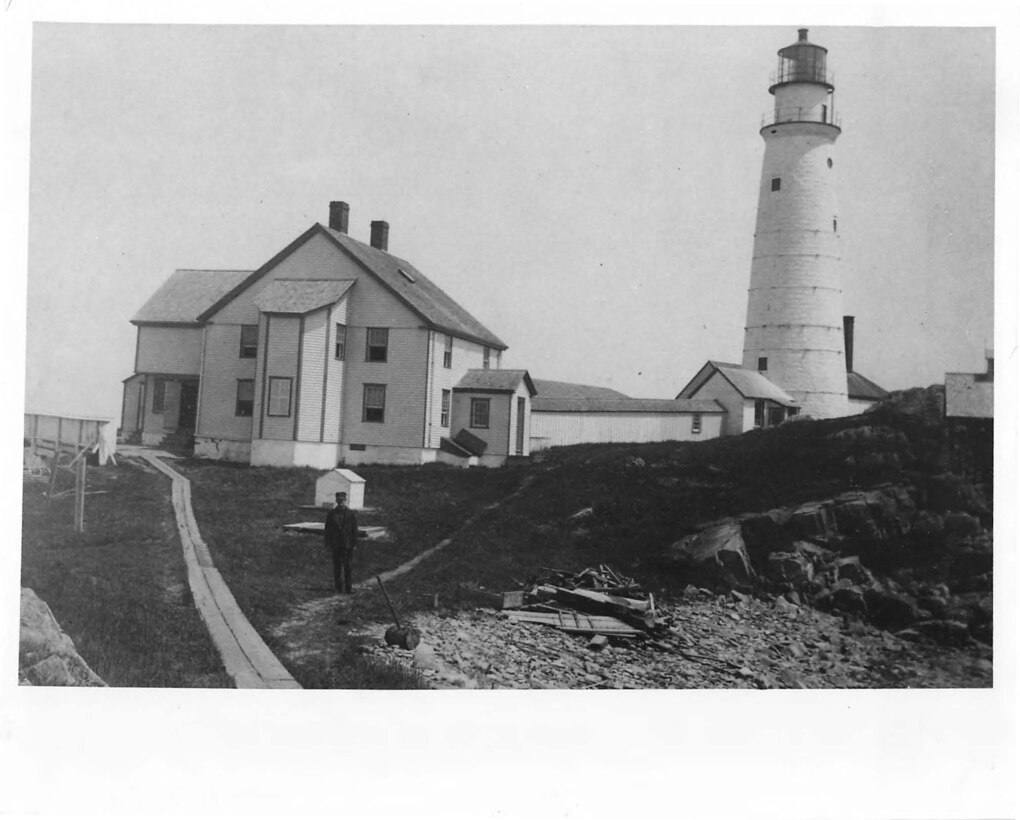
[[480, 413], [374, 403], [279, 396], [444, 410]]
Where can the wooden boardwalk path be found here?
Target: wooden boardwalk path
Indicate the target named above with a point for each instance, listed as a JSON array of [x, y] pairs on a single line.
[[247, 659]]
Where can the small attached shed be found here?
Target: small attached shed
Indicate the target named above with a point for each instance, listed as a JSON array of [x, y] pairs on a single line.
[[490, 416], [564, 420]]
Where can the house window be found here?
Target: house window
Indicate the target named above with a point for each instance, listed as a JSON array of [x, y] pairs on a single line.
[[279, 396], [341, 341], [374, 404], [378, 342], [759, 413], [792, 411], [249, 341], [775, 183], [448, 353], [158, 395], [696, 423], [245, 405], [763, 364], [480, 413], [444, 411], [486, 358]]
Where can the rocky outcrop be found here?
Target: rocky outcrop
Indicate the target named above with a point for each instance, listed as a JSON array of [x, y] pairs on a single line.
[[716, 555], [809, 551], [46, 655]]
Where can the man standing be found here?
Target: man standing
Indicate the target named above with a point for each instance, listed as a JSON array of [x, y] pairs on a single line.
[[341, 539]]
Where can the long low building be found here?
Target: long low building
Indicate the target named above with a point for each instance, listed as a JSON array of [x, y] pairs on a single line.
[[563, 414]]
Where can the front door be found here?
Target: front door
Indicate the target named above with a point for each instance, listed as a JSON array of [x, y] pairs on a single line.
[[520, 426], [189, 404]]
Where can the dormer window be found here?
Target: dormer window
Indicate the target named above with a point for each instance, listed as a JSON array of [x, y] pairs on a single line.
[[448, 353], [486, 358]]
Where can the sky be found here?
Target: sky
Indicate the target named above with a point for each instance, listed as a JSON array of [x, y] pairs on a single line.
[[588, 193]]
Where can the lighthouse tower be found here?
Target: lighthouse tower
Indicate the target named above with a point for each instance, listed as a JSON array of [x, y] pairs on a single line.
[[794, 328]]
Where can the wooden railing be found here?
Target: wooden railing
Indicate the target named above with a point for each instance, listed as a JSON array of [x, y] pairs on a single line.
[[49, 435]]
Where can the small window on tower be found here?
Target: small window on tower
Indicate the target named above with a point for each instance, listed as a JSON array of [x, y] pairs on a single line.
[[775, 183], [834, 226], [829, 162], [763, 363]]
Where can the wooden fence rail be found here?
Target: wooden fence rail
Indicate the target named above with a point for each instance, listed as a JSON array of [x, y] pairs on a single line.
[[50, 435]]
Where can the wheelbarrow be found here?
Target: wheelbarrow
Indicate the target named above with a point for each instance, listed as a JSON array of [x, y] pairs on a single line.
[[406, 637]]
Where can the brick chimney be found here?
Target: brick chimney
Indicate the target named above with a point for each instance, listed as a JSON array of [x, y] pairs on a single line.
[[848, 341], [380, 235], [338, 214]]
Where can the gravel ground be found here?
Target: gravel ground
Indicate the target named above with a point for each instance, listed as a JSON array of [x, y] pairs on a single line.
[[712, 642]]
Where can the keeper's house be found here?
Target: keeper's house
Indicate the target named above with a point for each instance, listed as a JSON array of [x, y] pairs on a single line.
[[332, 352]]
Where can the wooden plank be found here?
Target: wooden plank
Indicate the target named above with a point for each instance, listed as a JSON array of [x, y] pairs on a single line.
[[79, 497], [512, 600]]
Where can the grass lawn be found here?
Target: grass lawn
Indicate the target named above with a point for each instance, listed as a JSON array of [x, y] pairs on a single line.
[[240, 511], [120, 590]]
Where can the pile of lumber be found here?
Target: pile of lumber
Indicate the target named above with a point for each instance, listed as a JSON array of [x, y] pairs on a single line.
[[591, 602]]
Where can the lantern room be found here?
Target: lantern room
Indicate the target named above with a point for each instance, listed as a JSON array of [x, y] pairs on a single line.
[[803, 62]]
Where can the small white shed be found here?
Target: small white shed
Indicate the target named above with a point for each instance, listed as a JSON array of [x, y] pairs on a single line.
[[340, 480]]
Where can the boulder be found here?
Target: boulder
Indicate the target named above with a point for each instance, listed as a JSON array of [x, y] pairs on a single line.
[[891, 610], [716, 555], [46, 655], [765, 533], [952, 633], [850, 568], [789, 569], [849, 599], [813, 521]]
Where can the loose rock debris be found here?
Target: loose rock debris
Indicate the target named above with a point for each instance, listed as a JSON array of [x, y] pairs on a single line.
[[766, 646]]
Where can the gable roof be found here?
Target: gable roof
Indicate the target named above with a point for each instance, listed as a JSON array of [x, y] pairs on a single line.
[[566, 390], [186, 294], [859, 387], [417, 291], [421, 295], [495, 381], [748, 383], [301, 295], [575, 404]]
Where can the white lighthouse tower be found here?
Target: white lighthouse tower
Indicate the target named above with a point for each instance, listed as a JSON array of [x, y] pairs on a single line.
[[794, 329]]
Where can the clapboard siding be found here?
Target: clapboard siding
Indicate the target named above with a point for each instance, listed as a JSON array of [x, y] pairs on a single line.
[[403, 374], [499, 419], [223, 366], [466, 356], [281, 358], [556, 429], [333, 414], [313, 368], [169, 350], [718, 387]]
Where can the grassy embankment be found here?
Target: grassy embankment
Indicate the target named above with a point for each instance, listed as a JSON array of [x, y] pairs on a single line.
[[120, 590]]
